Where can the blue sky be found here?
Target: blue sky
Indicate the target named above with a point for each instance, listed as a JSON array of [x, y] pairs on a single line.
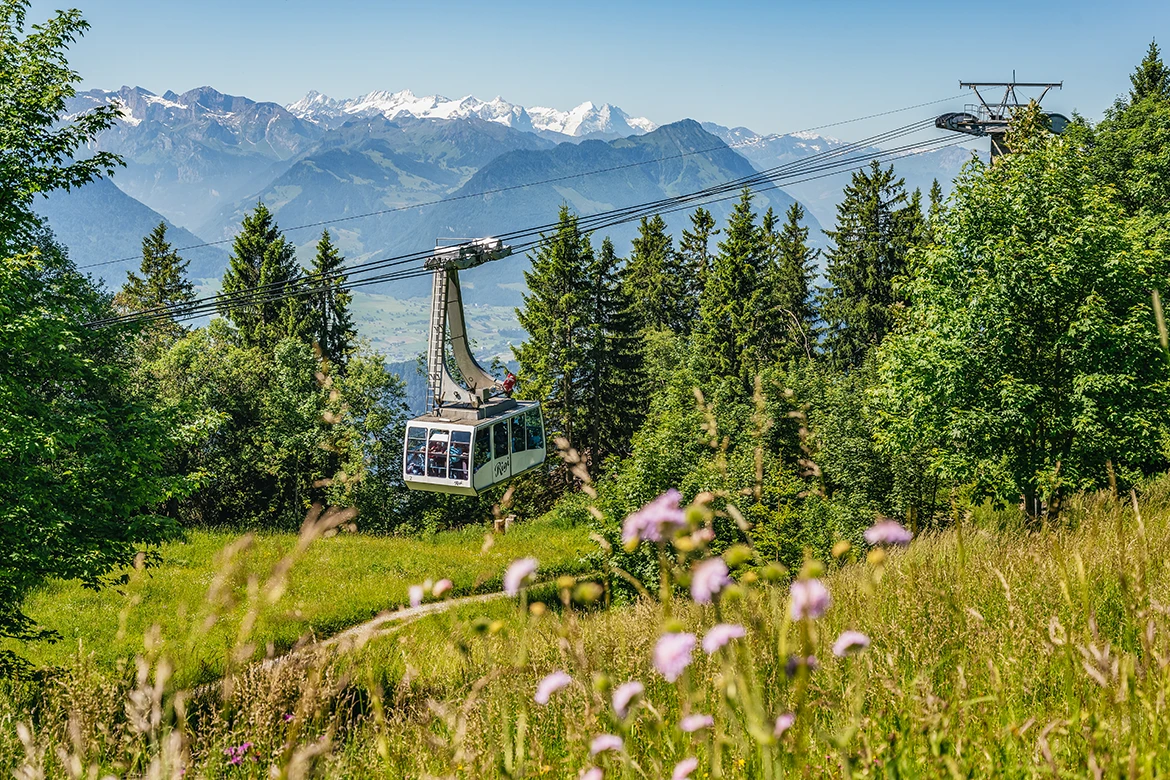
[[771, 66]]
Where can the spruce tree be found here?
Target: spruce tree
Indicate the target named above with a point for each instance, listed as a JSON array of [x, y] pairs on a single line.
[[333, 329], [555, 315], [876, 229], [654, 281], [694, 252], [262, 257], [163, 283], [729, 307], [936, 211], [613, 375], [1152, 77], [795, 265]]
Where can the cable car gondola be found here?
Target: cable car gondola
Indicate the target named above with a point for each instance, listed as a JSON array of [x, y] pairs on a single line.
[[474, 434]]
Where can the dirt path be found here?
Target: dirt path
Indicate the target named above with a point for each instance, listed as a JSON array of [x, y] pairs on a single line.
[[394, 618]]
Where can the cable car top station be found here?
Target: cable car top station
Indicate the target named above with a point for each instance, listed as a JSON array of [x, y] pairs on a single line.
[[991, 118]]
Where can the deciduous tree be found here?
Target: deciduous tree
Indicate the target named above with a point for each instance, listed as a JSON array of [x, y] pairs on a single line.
[[1028, 364]]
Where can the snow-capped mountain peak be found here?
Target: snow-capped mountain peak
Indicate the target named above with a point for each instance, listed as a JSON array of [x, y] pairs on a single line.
[[584, 119]]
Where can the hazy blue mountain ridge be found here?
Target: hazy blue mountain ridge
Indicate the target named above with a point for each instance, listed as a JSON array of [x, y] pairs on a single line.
[[822, 194], [99, 223], [372, 165], [672, 160], [202, 158]]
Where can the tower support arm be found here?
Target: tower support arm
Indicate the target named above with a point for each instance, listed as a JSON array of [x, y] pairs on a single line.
[[448, 320]]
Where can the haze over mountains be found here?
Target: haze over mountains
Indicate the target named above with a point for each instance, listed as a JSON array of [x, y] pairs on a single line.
[[200, 159]]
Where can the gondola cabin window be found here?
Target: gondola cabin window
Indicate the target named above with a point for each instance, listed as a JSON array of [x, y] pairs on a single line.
[[483, 448], [466, 457], [460, 453], [416, 447]]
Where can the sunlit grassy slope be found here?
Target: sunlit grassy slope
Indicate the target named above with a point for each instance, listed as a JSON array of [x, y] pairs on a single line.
[[997, 651], [338, 582]]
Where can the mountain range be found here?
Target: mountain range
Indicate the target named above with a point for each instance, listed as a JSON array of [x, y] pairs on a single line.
[[585, 121], [201, 158]]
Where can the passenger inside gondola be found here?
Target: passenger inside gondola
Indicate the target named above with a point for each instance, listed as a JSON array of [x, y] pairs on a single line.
[[460, 444], [437, 454], [416, 444]]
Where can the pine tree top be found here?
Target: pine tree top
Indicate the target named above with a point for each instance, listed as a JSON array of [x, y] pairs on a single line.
[[1151, 78]]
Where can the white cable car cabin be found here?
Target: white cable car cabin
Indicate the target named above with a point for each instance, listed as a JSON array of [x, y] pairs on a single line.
[[473, 435]]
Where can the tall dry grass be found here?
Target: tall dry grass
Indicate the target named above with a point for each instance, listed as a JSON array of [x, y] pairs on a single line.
[[996, 650]]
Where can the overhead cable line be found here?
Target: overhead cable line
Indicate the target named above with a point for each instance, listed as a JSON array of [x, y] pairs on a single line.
[[553, 180], [798, 167], [796, 172], [591, 223]]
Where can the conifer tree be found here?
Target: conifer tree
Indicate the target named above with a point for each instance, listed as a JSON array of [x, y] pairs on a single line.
[[792, 286], [728, 309], [920, 232], [262, 257], [694, 251], [1152, 77], [163, 283], [613, 377], [876, 229], [936, 211], [333, 329], [555, 315], [654, 281]]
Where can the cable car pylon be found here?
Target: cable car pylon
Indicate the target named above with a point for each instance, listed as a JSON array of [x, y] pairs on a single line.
[[474, 434]]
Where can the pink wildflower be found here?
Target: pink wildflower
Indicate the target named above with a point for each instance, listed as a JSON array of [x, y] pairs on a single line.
[[517, 573], [672, 654], [850, 642], [416, 595], [683, 769], [888, 532], [693, 723], [604, 742], [550, 685], [783, 723], [663, 514], [442, 587], [238, 753], [720, 634], [624, 694], [809, 599], [709, 578], [592, 773]]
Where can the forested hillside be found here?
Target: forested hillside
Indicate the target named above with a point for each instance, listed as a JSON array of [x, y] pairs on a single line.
[[981, 376]]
